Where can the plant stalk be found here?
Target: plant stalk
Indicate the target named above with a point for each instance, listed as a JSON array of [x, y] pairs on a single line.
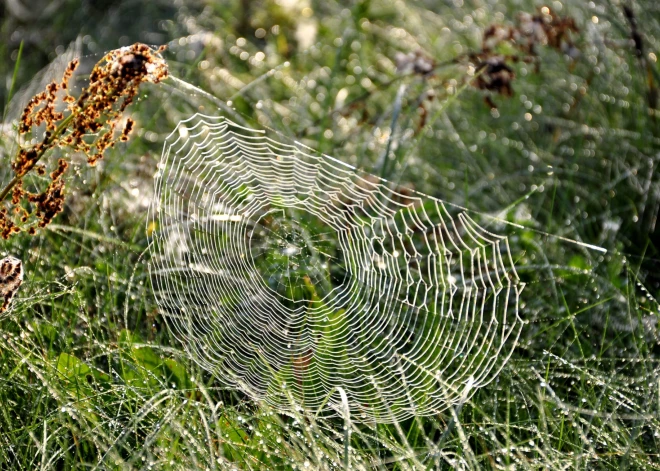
[[44, 148]]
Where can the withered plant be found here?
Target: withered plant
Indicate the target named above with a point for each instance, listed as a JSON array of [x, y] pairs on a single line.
[[543, 29], [87, 124], [11, 277]]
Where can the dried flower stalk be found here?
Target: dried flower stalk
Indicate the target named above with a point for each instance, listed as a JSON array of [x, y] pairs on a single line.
[[545, 28], [88, 124], [11, 278]]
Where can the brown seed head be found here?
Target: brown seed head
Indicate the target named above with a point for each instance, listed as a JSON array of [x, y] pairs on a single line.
[[87, 125]]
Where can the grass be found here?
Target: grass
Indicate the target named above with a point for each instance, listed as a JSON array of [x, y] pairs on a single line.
[[91, 378]]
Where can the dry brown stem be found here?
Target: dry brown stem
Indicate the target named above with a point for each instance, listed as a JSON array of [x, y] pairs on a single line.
[[88, 125]]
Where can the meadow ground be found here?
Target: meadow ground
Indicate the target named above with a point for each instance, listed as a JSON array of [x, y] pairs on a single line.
[[557, 132]]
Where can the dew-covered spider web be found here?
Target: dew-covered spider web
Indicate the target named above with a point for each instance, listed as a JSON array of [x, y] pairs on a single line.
[[288, 274]]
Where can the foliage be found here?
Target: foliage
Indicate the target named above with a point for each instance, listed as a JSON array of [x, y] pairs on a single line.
[[90, 376]]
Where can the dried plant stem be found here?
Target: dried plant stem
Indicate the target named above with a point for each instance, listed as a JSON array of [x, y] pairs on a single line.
[[44, 148], [90, 129]]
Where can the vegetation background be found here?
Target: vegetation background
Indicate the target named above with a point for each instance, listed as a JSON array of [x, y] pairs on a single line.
[[90, 378]]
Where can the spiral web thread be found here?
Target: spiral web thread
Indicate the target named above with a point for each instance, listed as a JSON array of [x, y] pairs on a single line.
[[288, 275]]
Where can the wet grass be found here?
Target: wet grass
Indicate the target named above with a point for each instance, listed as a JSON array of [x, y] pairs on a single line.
[[91, 378]]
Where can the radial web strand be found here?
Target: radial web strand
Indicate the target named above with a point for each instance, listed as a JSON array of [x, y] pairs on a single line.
[[289, 274]]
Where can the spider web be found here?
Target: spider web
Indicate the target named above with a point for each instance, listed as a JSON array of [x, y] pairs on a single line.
[[289, 274]]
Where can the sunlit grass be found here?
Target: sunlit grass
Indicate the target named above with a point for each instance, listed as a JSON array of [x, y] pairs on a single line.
[[91, 378]]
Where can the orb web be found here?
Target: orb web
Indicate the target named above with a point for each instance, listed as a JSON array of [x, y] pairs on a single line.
[[289, 274]]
